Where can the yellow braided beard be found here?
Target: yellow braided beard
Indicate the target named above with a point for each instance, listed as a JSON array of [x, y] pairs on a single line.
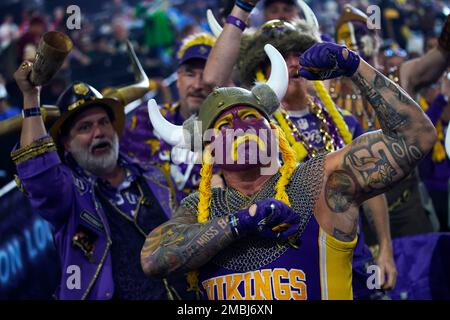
[[244, 138]]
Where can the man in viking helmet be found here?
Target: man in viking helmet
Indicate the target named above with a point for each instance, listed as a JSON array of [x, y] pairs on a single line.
[[311, 121], [287, 234], [100, 204]]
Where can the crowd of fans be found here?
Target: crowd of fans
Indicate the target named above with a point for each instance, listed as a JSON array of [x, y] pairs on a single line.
[[156, 27]]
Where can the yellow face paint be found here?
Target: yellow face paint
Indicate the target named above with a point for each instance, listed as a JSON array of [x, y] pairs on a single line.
[[244, 138]]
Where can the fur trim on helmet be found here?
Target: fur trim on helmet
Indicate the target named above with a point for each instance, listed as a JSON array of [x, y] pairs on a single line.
[[253, 58]]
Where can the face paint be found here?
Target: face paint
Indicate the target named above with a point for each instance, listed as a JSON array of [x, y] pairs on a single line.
[[242, 139]]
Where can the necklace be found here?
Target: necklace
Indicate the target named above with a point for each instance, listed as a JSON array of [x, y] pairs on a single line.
[[287, 125]]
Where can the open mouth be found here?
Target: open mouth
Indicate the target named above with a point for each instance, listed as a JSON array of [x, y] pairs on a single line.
[[101, 147], [294, 75]]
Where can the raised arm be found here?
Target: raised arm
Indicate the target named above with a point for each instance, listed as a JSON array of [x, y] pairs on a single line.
[[225, 52], [376, 161], [45, 181], [33, 128], [379, 159], [418, 73]]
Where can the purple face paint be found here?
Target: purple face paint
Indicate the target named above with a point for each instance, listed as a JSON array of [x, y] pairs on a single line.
[[243, 139]]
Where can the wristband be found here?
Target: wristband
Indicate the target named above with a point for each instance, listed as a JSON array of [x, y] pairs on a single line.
[[245, 5], [233, 225], [31, 112], [236, 22]]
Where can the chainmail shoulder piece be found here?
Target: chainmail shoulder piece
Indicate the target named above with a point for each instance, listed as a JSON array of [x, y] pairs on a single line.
[[253, 252]]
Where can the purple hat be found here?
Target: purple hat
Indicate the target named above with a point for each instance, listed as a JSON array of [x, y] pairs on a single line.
[[197, 46]]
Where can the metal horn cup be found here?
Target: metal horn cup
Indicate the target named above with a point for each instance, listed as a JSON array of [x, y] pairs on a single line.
[[53, 48]]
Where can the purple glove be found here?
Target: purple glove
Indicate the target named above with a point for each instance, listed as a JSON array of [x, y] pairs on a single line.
[[270, 219], [325, 61]]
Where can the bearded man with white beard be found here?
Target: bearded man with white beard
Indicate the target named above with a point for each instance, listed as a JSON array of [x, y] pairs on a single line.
[[101, 205]]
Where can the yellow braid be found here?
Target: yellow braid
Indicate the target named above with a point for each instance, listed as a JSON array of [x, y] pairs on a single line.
[[204, 187], [334, 113], [300, 151], [289, 164]]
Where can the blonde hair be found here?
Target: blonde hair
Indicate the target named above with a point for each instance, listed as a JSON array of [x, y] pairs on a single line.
[[204, 188], [329, 105], [287, 169]]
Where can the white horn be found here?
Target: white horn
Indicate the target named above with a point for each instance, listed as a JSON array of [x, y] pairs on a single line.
[[310, 17], [447, 142], [215, 27], [279, 76], [170, 133]]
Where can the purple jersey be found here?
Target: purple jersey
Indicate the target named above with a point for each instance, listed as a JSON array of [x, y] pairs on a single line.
[[316, 266], [320, 269]]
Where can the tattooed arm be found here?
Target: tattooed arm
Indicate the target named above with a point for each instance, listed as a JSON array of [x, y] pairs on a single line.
[[376, 161], [225, 53], [182, 243], [421, 72]]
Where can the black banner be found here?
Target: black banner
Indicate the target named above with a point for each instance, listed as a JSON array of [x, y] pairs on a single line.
[[29, 267]]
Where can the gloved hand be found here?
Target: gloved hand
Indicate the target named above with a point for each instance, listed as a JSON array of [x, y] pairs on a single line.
[[328, 60], [269, 218]]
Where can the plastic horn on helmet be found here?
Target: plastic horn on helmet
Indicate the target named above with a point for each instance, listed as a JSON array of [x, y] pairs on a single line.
[[447, 142], [49, 114], [169, 132], [174, 135], [279, 75], [214, 25], [135, 91], [53, 48], [310, 17]]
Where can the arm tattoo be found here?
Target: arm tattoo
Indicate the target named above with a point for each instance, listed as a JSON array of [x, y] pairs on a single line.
[[182, 243], [346, 236], [340, 191], [389, 117], [376, 161]]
